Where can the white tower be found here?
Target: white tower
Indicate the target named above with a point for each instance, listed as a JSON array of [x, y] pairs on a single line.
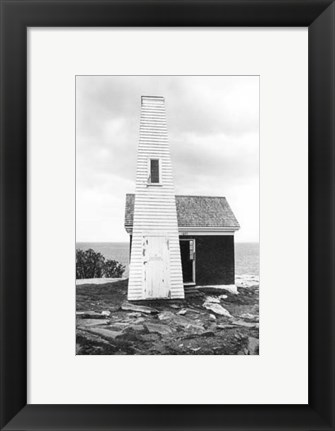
[[155, 263]]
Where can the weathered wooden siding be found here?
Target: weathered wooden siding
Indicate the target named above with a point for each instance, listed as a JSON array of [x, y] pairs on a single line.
[[155, 207]]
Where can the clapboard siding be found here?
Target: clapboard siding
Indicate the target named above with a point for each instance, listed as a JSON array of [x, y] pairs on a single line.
[[155, 207]]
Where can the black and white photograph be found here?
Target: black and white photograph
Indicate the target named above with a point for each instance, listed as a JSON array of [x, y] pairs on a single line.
[[167, 215]]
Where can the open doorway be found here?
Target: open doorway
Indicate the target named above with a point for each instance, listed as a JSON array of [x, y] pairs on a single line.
[[187, 252]]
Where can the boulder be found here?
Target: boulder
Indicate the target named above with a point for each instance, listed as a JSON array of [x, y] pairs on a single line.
[[166, 315], [134, 328], [118, 326], [250, 317], [90, 315], [126, 306], [217, 309], [245, 324], [191, 325], [104, 332], [227, 326], [106, 313], [134, 314], [192, 310], [182, 311], [213, 299], [91, 322], [150, 337], [158, 328], [175, 306]]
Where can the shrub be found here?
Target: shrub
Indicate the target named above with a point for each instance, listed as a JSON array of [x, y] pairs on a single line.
[[91, 264], [112, 268]]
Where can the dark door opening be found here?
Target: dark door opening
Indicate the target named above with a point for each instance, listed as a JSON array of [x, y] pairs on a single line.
[[187, 252]]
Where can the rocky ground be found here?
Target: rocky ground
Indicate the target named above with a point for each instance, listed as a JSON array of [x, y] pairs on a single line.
[[208, 322]]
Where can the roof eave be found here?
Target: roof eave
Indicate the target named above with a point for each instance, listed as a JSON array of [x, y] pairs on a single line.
[[197, 229], [209, 228]]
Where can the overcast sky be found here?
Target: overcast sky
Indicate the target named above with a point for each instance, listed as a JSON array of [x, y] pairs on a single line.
[[213, 128]]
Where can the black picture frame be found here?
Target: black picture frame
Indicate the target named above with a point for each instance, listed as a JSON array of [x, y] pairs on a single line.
[[16, 17]]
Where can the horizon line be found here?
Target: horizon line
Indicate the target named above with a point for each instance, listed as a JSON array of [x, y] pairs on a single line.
[[126, 242]]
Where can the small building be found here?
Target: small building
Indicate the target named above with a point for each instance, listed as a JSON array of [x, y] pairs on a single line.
[[176, 241], [206, 227]]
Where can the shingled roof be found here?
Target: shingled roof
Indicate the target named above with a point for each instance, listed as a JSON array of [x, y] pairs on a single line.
[[194, 211]]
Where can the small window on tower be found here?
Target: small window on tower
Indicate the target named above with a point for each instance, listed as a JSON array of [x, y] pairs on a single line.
[[154, 171]]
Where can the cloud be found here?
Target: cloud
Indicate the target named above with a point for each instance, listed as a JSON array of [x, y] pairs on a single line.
[[213, 125]]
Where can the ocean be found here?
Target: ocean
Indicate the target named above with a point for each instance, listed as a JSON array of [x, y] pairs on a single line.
[[246, 254]]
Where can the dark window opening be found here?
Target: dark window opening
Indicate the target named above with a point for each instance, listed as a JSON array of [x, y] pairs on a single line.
[[154, 171]]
